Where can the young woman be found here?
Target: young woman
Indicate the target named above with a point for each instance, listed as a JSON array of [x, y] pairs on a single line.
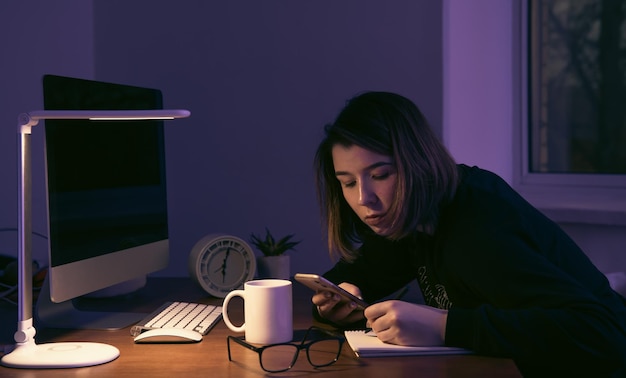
[[497, 276]]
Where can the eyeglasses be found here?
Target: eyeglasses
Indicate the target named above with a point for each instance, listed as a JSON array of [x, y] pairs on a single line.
[[322, 349]]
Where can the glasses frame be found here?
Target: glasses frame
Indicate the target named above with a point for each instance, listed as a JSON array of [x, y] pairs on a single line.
[[304, 344]]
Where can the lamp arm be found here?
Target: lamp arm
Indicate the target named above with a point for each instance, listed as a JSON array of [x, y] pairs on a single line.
[[26, 332]]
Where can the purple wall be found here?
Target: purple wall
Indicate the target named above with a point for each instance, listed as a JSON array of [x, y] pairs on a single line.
[[261, 79]]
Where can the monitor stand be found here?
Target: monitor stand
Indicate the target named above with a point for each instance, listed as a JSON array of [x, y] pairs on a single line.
[[66, 315]]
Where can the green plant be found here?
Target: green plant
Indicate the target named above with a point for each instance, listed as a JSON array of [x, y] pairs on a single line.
[[270, 247]]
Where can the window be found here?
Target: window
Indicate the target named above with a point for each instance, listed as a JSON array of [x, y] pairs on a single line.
[[572, 107], [578, 94]]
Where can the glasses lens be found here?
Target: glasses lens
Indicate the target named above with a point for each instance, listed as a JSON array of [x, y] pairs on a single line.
[[324, 352], [279, 357]]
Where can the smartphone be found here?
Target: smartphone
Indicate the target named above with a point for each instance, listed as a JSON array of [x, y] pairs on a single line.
[[319, 283]]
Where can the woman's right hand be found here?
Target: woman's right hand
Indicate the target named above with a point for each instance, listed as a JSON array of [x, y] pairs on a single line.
[[331, 308]]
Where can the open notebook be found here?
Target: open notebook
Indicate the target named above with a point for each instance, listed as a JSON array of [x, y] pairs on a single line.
[[368, 345]]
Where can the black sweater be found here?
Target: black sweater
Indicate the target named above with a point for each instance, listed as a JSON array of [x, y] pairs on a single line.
[[514, 283]]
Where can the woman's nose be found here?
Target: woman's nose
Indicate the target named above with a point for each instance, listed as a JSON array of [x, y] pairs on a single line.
[[366, 195]]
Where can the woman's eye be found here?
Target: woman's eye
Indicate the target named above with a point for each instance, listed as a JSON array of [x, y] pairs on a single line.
[[349, 184], [381, 176]]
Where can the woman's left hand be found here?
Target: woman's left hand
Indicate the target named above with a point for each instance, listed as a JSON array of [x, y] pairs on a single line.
[[405, 323]]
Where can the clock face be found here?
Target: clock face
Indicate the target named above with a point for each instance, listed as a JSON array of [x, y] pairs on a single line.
[[222, 263]]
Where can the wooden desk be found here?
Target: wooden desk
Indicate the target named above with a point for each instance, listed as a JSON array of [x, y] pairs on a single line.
[[210, 358]]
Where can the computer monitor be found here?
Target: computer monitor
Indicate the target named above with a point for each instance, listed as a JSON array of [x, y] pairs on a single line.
[[106, 197]]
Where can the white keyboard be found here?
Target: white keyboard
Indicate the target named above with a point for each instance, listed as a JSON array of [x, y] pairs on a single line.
[[194, 316]]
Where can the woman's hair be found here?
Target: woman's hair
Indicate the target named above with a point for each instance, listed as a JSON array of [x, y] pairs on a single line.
[[391, 125]]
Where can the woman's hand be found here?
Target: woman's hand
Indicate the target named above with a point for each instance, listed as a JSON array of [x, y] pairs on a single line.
[[330, 306], [404, 323]]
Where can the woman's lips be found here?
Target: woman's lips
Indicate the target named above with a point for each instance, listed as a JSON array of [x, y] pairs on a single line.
[[373, 220]]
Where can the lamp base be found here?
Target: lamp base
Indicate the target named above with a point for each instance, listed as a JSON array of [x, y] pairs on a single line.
[[60, 355]]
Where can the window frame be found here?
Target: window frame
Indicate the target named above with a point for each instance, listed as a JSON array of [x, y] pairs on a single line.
[[565, 197]]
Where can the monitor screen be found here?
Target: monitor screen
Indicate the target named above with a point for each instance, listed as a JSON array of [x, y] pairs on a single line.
[[106, 188]]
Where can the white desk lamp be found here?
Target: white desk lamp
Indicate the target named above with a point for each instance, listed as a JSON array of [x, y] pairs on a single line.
[[28, 354]]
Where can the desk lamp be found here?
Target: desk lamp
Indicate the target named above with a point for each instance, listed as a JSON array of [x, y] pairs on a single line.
[[28, 354]]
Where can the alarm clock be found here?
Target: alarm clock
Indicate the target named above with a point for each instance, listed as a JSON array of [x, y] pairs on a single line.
[[221, 263]]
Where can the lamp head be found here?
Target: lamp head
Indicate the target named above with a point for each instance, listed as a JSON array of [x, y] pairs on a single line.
[[26, 120]]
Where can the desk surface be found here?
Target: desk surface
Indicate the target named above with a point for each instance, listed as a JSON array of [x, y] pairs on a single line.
[[210, 357]]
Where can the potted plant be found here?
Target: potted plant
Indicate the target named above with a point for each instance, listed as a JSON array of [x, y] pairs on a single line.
[[274, 263]]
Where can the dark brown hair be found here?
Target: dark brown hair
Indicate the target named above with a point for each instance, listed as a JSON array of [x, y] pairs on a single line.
[[392, 125]]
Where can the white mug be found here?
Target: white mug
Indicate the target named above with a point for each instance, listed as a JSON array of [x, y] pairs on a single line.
[[268, 311]]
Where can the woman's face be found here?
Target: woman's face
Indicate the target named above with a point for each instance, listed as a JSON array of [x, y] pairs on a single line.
[[368, 181]]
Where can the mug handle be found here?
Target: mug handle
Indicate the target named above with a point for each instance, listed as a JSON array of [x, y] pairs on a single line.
[[229, 324]]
